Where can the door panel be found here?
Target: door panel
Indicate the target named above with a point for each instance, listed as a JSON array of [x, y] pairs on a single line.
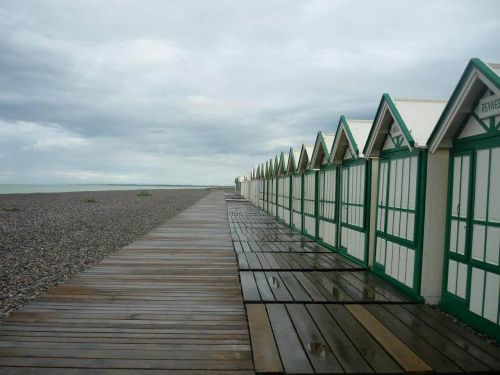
[[352, 211], [459, 205], [473, 266]]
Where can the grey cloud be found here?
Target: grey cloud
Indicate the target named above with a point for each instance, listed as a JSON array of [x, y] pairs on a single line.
[[194, 92]]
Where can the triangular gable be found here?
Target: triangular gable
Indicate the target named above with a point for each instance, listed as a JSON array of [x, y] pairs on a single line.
[[293, 158], [276, 165], [283, 164], [270, 169], [305, 158], [479, 80], [402, 124], [321, 150], [350, 140]]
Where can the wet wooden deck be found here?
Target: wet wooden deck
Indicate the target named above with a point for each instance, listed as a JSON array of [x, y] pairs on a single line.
[[172, 303], [168, 303], [311, 311]]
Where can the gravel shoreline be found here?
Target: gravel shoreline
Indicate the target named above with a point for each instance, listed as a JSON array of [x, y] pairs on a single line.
[[47, 238]]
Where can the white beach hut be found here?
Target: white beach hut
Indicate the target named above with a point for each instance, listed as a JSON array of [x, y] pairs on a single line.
[[309, 191], [326, 191], [284, 182], [354, 188], [262, 185], [467, 136], [296, 193], [398, 138]]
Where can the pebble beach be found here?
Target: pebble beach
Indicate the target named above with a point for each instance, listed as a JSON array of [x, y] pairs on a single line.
[[47, 238]]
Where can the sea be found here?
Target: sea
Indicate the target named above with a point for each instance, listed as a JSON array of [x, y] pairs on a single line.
[[26, 189]]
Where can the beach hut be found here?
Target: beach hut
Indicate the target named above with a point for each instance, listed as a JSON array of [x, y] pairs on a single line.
[[398, 138], [267, 186], [274, 190], [296, 193], [262, 185], [271, 192], [327, 188], [237, 184], [354, 188], [309, 191], [244, 186], [284, 182], [467, 136], [255, 186]]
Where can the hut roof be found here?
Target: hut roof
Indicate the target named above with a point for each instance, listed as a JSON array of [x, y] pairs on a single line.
[[415, 119], [293, 159], [351, 134], [283, 164], [322, 149], [305, 158], [476, 79]]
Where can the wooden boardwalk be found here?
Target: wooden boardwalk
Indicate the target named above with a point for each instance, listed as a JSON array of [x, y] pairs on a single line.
[[169, 301], [172, 303], [314, 312]]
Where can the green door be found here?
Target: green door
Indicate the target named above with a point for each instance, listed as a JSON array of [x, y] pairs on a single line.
[[471, 284], [327, 205], [297, 202], [399, 207], [309, 217], [353, 239]]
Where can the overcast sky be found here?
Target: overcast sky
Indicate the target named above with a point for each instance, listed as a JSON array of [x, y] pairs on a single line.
[[197, 92]]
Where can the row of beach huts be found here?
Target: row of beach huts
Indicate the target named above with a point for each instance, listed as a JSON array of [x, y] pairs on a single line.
[[413, 195]]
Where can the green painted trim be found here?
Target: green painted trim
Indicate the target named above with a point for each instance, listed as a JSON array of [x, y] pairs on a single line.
[[386, 98], [455, 307], [417, 244], [450, 302], [350, 137], [473, 64]]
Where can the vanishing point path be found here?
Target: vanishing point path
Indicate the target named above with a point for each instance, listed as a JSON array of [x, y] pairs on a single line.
[[223, 288]]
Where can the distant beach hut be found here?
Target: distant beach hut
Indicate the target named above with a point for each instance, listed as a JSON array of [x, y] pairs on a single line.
[[271, 193], [262, 185], [398, 138], [274, 200], [296, 216], [354, 188], [256, 186], [284, 181], [237, 181], [326, 190], [309, 191], [467, 136], [244, 186]]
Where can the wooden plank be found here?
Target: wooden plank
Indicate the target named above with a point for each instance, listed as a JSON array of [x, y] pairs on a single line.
[[249, 287], [373, 353], [461, 335], [348, 356], [263, 286], [456, 354], [317, 349], [278, 287], [292, 353], [406, 358], [296, 290], [433, 357], [265, 353], [309, 287], [242, 261]]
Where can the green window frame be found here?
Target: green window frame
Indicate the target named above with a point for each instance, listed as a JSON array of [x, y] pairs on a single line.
[[398, 259]]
